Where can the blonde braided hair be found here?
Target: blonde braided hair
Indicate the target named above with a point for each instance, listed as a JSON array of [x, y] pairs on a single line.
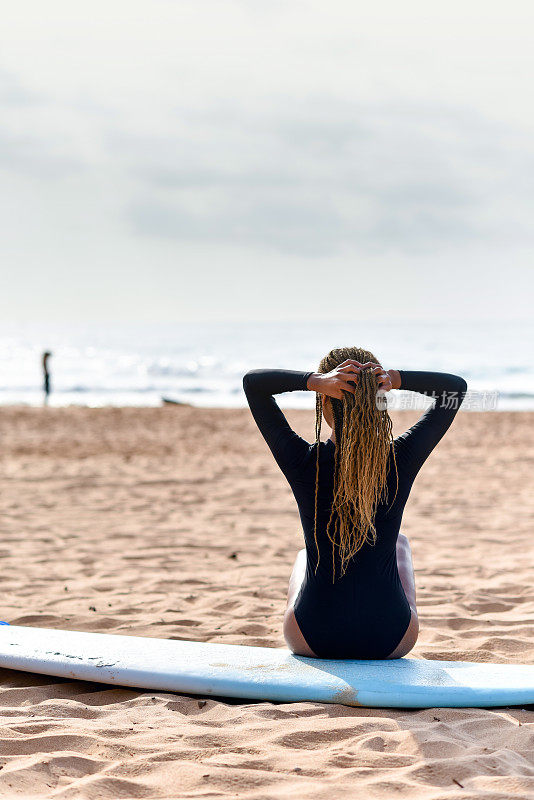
[[364, 439]]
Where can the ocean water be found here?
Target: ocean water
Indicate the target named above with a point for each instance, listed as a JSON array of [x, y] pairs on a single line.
[[203, 363]]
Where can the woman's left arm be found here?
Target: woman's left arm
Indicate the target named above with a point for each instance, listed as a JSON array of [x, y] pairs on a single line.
[[287, 447]]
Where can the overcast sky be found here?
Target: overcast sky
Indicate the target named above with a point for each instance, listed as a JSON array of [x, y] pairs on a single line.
[[259, 160]]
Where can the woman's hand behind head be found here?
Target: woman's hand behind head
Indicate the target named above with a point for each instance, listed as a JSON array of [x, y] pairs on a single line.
[[341, 379], [345, 376]]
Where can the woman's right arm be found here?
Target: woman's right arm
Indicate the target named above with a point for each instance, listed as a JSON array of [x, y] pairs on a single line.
[[415, 445]]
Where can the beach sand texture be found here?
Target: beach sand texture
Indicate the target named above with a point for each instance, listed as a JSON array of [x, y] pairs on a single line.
[[176, 522]]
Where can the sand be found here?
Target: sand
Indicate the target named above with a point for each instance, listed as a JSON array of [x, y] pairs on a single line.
[[176, 522]]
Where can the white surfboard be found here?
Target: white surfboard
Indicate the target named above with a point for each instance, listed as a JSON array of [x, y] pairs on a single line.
[[262, 673]]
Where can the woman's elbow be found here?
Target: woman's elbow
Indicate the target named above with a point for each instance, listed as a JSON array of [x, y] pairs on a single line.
[[458, 385], [462, 384], [248, 379], [455, 385]]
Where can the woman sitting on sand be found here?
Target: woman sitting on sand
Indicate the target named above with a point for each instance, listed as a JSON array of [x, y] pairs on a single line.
[[352, 590]]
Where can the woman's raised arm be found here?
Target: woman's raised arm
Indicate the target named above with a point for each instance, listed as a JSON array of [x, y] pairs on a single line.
[[415, 445], [287, 447]]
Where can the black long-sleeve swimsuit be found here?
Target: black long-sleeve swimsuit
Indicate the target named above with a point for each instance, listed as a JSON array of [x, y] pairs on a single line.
[[364, 614]]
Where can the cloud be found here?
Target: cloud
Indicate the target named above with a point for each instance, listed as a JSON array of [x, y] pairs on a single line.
[[13, 92], [325, 177], [315, 178], [263, 129], [36, 158], [35, 140]]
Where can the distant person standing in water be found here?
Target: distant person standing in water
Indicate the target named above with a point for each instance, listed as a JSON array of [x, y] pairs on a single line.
[[46, 377]]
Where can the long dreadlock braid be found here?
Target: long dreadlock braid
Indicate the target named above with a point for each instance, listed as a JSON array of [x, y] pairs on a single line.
[[364, 440]]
